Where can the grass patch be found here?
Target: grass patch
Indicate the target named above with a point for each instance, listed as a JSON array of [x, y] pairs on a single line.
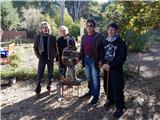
[[24, 74]]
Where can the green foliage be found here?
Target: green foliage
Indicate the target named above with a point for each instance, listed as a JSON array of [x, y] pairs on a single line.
[[13, 57], [67, 19], [51, 22], [7, 73], [56, 74], [135, 43], [20, 74], [47, 7], [24, 74], [78, 9], [31, 20], [134, 19], [9, 17], [74, 29], [142, 42], [80, 72]]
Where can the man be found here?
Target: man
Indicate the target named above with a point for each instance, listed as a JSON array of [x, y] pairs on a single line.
[[45, 50], [114, 55], [91, 46]]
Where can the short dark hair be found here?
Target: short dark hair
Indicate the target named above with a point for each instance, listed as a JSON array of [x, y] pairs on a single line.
[[91, 21]]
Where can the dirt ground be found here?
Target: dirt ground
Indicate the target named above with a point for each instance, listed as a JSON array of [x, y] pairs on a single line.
[[141, 95]]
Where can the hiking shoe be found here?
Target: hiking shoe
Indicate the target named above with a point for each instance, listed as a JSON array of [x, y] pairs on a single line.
[[118, 113], [94, 101]]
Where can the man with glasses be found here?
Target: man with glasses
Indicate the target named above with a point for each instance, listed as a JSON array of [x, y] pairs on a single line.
[[46, 50], [91, 46]]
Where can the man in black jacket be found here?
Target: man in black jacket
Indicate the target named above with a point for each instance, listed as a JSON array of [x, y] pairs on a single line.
[[114, 55], [46, 50]]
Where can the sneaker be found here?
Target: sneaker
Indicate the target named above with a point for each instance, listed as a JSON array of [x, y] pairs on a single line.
[[94, 100], [109, 104], [77, 79], [60, 98], [118, 113]]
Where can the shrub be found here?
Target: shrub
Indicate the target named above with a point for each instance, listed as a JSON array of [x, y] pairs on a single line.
[[67, 19], [137, 43], [80, 73], [74, 29]]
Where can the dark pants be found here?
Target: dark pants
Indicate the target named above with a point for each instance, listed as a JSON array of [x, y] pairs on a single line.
[[41, 68], [115, 87]]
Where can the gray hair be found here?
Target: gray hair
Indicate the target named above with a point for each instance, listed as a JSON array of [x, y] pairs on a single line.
[[64, 28], [45, 23]]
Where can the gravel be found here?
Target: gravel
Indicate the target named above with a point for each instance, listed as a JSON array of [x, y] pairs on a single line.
[[141, 95]]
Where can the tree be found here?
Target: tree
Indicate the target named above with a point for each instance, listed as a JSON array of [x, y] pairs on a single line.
[[46, 7], [138, 16], [78, 9], [74, 29], [31, 20], [67, 19], [9, 16]]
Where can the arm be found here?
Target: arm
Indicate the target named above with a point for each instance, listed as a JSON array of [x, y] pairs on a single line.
[[81, 50], [36, 47], [55, 47]]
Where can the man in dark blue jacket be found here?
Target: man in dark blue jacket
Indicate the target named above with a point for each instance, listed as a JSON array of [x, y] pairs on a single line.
[[114, 55]]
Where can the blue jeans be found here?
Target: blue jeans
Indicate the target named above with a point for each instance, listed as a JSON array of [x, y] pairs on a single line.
[[93, 76], [41, 68]]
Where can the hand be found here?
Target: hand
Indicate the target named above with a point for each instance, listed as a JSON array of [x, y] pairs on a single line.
[[105, 67], [100, 64]]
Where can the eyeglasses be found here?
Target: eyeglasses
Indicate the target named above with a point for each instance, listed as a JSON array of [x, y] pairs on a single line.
[[89, 25], [44, 27]]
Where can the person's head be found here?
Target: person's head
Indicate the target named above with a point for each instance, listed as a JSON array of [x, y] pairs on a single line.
[[90, 26], [45, 28], [112, 29], [63, 31], [71, 42]]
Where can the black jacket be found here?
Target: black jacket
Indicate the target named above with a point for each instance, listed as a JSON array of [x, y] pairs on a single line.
[[98, 41], [51, 46], [61, 43], [120, 54]]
